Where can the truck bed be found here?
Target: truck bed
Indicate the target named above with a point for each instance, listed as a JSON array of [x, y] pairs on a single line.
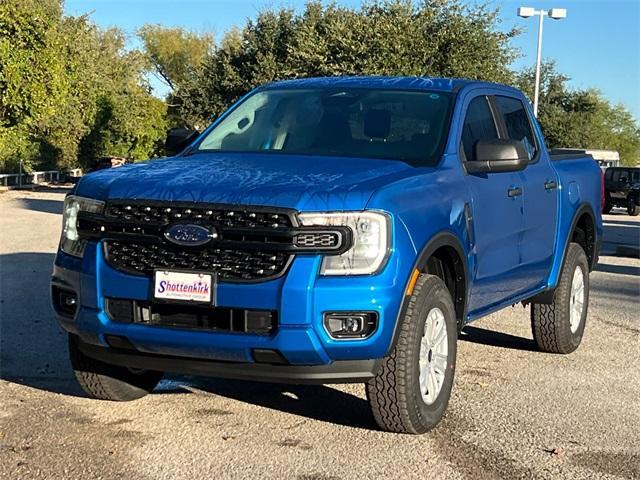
[[557, 154]]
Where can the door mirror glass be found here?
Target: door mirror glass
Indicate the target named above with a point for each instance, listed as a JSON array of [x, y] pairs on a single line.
[[499, 155], [178, 139]]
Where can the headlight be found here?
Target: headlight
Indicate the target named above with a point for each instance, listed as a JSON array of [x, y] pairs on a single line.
[[370, 241], [70, 241]]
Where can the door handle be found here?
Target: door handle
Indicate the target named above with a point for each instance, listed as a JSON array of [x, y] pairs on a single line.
[[550, 185], [514, 192]]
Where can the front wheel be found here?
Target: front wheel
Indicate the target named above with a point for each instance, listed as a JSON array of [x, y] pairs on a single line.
[[559, 326], [411, 390], [110, 382]]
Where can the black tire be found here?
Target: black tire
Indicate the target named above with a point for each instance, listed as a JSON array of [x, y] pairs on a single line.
[[110, 382], [632, 206], [394, 394], [551, 324]]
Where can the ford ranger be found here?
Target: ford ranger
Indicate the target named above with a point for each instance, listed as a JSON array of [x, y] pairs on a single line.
[[329, 230]]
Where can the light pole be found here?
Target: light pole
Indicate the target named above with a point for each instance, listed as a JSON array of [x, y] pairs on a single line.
[[556, 14]]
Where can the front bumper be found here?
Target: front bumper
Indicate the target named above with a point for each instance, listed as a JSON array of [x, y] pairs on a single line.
[[300, 297], [343, 371]]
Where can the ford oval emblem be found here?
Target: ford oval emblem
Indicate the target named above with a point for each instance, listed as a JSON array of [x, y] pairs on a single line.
[[189, 235]]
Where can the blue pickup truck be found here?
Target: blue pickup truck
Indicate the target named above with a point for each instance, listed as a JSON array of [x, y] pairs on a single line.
[[329, 230]]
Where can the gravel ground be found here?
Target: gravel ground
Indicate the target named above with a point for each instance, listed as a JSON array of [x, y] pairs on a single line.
[[515, 412]]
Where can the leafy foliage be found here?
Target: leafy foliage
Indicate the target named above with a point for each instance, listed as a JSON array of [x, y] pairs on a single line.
[[581, 118], [433, 38], [175, 53], [27, 89], [69, 91]]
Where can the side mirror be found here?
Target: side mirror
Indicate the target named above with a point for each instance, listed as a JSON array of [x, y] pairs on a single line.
[[178, 139], [500, 155]]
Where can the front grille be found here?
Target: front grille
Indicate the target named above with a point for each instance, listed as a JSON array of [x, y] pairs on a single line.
[[249, 246], [144, 258], [239, 243]]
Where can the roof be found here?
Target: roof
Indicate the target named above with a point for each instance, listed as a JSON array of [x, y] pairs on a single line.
[[403, 83]]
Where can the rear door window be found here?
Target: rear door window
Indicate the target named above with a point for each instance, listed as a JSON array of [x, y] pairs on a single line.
[[516, 121], [624, 176], [478, 125]]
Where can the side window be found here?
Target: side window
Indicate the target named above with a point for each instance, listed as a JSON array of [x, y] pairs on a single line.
[[616, 175], [517, 122], [478, 125]]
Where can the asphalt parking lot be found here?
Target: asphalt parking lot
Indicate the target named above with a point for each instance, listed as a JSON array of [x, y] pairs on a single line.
[[515, 412]]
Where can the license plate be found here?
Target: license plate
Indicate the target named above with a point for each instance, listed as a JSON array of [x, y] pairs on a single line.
[[184, 287]]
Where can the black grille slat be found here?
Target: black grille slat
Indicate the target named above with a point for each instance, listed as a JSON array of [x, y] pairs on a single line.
[[143, 258], [163, 214]]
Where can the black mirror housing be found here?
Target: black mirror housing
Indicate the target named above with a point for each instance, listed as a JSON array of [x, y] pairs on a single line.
[[499, 155], [178, 139]]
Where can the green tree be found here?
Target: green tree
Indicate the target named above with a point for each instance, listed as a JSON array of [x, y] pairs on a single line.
[[30, 75], [581, 118], [57, 75], [400, 37], [174, 53]]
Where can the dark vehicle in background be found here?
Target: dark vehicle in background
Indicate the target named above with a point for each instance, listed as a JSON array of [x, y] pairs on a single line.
[[622, 189]]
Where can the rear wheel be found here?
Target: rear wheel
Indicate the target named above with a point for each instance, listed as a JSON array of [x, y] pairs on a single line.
[[411, 390], [632, 206], [559, 326], [110, 382]]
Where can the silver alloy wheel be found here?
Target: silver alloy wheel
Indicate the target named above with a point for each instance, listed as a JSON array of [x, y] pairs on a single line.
[[434, 350], [576, 302]]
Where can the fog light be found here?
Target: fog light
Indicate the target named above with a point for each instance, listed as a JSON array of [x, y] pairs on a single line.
[[65, 302], [350, 325], [69, 301]]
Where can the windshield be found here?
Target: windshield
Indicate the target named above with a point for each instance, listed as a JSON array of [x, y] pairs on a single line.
[[402, 125]]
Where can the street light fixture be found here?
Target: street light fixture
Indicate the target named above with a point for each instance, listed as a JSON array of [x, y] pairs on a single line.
[[556, 14]]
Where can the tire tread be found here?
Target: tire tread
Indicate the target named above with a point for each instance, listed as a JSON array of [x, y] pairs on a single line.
[[389, 392], [550, 323], [109, 382]]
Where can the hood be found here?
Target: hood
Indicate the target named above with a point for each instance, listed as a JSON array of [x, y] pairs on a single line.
[[305, 183]]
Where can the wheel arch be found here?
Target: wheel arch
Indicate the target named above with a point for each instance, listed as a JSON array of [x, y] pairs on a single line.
[[443, 256], [583, 231]]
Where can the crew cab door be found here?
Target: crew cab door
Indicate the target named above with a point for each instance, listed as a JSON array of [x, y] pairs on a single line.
[[539, 193], [496, 215]]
